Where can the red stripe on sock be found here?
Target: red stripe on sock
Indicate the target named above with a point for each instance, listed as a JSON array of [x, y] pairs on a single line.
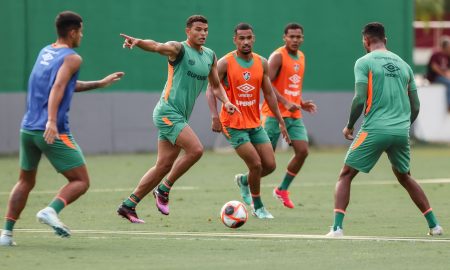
[[255, 195], [428, 211], [10, 218], [63, 200], [339, 211], [167, 185], [291, 173], [131, 199]]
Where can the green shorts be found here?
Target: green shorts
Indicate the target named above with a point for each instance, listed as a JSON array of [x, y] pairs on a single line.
[[169, 126], [237, 137], [295, 128], [64, 154], [367, 148]]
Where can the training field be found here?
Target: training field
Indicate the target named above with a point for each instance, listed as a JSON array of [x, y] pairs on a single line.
[[384, 230]]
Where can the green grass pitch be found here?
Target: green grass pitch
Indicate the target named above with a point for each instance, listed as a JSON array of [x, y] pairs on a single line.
[[192, 236]]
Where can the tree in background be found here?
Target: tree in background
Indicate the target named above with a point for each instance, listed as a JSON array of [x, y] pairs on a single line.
[[427, 10]]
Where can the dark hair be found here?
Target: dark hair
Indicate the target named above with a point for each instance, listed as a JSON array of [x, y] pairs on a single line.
[[195, 18], [445, 41], [242, 26], [67, 21], [374, 30], [292, 26]]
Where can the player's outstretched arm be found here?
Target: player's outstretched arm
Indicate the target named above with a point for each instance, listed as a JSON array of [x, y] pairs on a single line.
[[69, 67], [271, 99], [105, 82], [169, 49]]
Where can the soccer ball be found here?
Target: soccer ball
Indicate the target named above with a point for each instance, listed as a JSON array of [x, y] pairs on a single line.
[[233, 214]]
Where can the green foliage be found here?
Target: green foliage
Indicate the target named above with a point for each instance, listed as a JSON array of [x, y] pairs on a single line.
[[427, 10]]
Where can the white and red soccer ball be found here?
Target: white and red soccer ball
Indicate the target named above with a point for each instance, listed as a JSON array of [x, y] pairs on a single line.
[[233, 214]]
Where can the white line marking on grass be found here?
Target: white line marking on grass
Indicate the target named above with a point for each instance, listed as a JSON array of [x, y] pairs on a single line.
[[103, 190], [356, 183], [372, 182], [246, 235]]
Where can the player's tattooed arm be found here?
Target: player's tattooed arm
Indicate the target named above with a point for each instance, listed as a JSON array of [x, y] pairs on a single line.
[[170, 49]]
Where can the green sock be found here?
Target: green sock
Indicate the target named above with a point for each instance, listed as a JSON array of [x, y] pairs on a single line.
[[288, 177], [131, 201], [57, 204], [244, 179], [165, 186], [257, 203], [9, 224], [338, 220], [431, 219]]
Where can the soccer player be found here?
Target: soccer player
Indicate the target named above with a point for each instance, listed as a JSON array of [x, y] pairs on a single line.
[[286, 69], [243, 73], [45, 126], [386, 91], [191, 65]]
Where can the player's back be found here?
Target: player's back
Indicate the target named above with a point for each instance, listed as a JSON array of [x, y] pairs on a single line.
[[387, 109], [40, 83]]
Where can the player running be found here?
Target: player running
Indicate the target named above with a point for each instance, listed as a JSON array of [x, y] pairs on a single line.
[[190, 66], [45, 127]]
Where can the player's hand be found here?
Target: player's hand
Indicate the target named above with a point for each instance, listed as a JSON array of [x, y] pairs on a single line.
[[348, 133], [284, 133], [51, 132], [111, 78], [309, 106], [292, 107], [231, 108], [129, 41], [216, 125]]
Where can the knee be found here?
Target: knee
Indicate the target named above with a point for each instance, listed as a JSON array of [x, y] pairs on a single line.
[[27, 183], [302, 153], [269, 168], [196, 152], [401, 177], [85, 184], [345, 175], [256, 167]]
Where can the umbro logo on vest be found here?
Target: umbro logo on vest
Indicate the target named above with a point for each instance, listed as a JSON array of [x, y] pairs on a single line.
[[391, 67], [246, 75], [245, 87], [295, 78]]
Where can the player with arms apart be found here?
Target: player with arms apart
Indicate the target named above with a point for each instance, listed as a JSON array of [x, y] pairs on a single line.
[[45, 126], [385, 90], [243, 75], [191, 66], [286, 69]]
